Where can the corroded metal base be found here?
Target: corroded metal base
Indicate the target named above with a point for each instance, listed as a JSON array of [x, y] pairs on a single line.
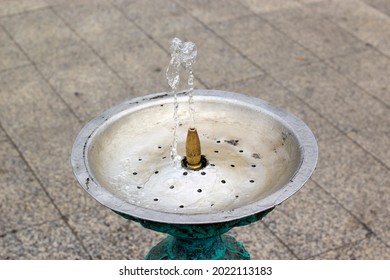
[[223, 247], [198, 241]]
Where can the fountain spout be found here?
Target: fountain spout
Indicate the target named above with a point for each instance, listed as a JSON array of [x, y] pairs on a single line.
[[193, 150]]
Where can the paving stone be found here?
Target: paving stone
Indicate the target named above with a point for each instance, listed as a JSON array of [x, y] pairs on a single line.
[[375, 139], [52, 240], [263, 44], [365, 22], [23, 202], [311, 222], [310, 1], [265, 6], [157, 18], [217, 62], [266, 88], [44, 40], [76, 73], [109, 236], [9, 7], [334, 97], [357, 180], [122, 45], [319, 35], [142, 66], [370, 248], [10, 55], [215, 11], [261, 243], [381, 5], [44, 133], [369, 69], [89, 87], [102, 25]]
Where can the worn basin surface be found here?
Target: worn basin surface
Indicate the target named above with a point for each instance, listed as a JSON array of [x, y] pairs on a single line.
[[258, 156]]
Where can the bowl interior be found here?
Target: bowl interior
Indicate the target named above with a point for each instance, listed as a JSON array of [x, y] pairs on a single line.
[[251, 151]]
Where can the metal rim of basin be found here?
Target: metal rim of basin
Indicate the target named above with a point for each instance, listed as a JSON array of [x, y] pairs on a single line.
[[305, 138]]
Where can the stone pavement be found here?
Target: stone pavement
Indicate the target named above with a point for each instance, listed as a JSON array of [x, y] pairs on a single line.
[[62, 62]]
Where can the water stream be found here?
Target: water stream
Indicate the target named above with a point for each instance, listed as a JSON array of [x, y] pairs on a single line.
[[182, 54]]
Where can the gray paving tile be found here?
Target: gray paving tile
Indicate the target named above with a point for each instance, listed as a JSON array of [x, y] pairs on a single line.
[[217, 62], [10, 55], [263, 44], [142, 66], [44, 40], [381, 5], [261, 243], [365, 22], [370, 248], [358, 181], [157, 18], [374, 139], [85, 82], [319, 35], [310, 1], [369, 69], [122, 45], [9, 7], [44, 132], [102, 25], [265, 6], [334, 97], [266, 88], [70, 66], [52, 240], [215, 11], [108, 236], [311, 222], [23, 202]]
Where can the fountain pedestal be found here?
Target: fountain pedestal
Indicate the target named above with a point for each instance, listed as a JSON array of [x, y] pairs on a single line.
[[198, 241]]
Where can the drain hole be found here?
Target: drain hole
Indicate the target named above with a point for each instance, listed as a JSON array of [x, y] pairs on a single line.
[[252, 181], [159, 147], [172, 187], [232, 165], [156, 172], [164, 157], [139, 187], [156, 199], [140, 159], [135, 173], [237, 196], [253, 165], [199, 190], [241, 151], [212, 205], [181, 206], [216, 151], [185, 173], [218, 141], [203, 173], [212, 164], [223, 181], [203, 161]]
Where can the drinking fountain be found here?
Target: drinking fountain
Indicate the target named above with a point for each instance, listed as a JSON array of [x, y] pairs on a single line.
[[244, 158]]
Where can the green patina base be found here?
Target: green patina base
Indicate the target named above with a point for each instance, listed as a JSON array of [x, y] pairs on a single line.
[[223, 247], [198, 241]]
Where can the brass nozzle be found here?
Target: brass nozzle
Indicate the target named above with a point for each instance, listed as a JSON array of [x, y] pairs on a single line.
[[193, 151]]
